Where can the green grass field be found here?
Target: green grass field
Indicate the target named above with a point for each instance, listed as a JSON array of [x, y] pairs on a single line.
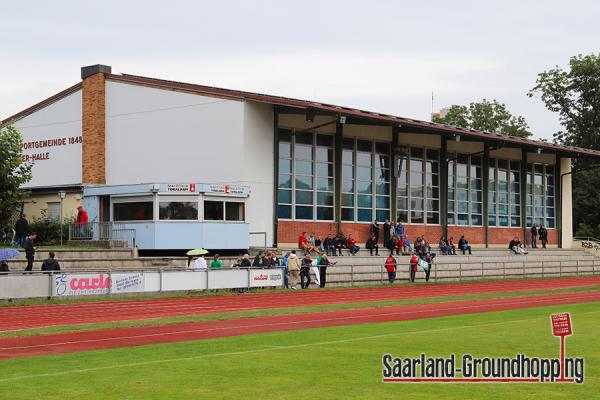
[[327, 363]]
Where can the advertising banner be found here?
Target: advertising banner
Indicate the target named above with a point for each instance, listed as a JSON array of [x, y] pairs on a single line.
[[87, 284], [266, 277]]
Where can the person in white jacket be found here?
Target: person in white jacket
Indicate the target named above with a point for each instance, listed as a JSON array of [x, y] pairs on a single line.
[[200, 263]]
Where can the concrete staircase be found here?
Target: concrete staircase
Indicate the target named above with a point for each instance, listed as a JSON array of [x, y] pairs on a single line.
[[101, 259]]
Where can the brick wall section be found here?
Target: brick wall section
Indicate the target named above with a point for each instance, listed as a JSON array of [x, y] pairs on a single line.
[[288, 232], [94, 119]]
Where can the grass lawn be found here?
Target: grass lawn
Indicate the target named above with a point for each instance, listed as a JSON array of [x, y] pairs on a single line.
[[326, 363]]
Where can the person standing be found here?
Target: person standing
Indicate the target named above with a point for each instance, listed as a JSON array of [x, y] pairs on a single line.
[[413, 265], [21, 230], [375, 230], [29, 247], [399, 229], [386, 235], [82, 215], [285, 271], [390, 266], [50, 264], [216, 263], [293, 267], [260, 260], [543, 233], [534, 235], [200, 263], [324, 263], [305, 271], [245, 263]]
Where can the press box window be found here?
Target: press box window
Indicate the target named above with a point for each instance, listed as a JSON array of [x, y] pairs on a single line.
[[224, 210], [136, 211], [177, 210]]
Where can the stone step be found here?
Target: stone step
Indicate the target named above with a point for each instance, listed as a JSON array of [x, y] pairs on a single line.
[[42, 253]]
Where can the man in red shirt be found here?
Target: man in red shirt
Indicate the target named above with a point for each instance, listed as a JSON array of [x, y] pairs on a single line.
[[82, 215], [390, 266], [351, 245], [304, 245], [413, 263]]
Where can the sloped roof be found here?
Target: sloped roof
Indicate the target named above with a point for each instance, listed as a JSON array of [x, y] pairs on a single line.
[[392, 120]]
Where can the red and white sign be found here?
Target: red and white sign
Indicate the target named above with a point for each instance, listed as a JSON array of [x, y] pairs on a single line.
[[266, 277], [561, 324], [181, 187], [97, 283], [228, 189]]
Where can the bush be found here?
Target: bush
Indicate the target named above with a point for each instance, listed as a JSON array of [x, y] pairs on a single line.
[[48, 230]]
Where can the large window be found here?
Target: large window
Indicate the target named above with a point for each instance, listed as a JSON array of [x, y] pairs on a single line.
[[365, 180], [540, 195], [305, 184], [217, 210], [133, 211], [418, 186], [177, 210], [504, 193], [464, 190]]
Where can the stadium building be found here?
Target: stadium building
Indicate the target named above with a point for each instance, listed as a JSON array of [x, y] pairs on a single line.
[[188, 166]]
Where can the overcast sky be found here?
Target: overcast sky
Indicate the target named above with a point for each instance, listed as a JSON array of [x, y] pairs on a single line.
[[385, 56]]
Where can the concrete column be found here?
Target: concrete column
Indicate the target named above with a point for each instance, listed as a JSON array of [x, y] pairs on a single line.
[[339, 137], [566, 204]]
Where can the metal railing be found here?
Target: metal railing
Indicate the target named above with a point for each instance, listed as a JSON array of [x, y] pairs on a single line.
[[114, 234]]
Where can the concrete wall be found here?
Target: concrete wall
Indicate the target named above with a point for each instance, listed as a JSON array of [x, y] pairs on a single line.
[[59, 164], [155, 135], [37, 204], [566, 204]]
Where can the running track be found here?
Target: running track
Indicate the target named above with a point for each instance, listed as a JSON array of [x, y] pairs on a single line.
[[114, 338], [38, 316]]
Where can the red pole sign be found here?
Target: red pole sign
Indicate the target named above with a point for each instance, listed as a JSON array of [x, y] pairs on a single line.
[[561, 326]]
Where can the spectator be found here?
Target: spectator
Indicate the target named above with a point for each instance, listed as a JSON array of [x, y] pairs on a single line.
[[516, 246], [412, 264], [372, 245], [311, 239], [428, 259], [304, 245], [450, 244], [399, 246], [323, 263], [260, 260], [285, 271], [50, 264], [399, 229], [342, 241], [237, 263], [200, 263], [30, 248], [444, 249], [21, 230], [328, 245], [216, 263], [464, 245], [406, 249], [390, 266], [337, 245], [314, 267], [305, 271], [543, 234], [319, 243], [534, 235], [293, 266], [274, 261], [82, 215], [375, 230], [387, 226], [351, 245], [246, 261], [4, 267]]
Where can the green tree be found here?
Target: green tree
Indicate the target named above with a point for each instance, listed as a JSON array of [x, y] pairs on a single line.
[[574, 94], [14, 172], [487, 116]]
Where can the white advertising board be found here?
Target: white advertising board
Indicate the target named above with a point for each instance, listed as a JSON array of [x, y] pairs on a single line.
[[266, 277], [87, 284]]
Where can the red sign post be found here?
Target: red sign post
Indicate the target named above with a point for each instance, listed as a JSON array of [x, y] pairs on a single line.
[[561, 326]]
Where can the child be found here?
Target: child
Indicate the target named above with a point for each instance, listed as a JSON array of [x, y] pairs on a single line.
[[414, 261]]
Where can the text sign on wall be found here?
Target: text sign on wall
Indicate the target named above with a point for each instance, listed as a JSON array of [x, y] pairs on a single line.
[[561, 324], [228, 189], [97, 283], [266, 277], [181, 187]]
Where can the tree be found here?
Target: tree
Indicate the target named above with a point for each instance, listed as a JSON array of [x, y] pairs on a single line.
[[487, 116], [575, 95], [14, 172]]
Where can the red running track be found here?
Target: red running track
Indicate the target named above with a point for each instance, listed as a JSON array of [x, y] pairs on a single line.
[[25, 317], [126, 337]]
